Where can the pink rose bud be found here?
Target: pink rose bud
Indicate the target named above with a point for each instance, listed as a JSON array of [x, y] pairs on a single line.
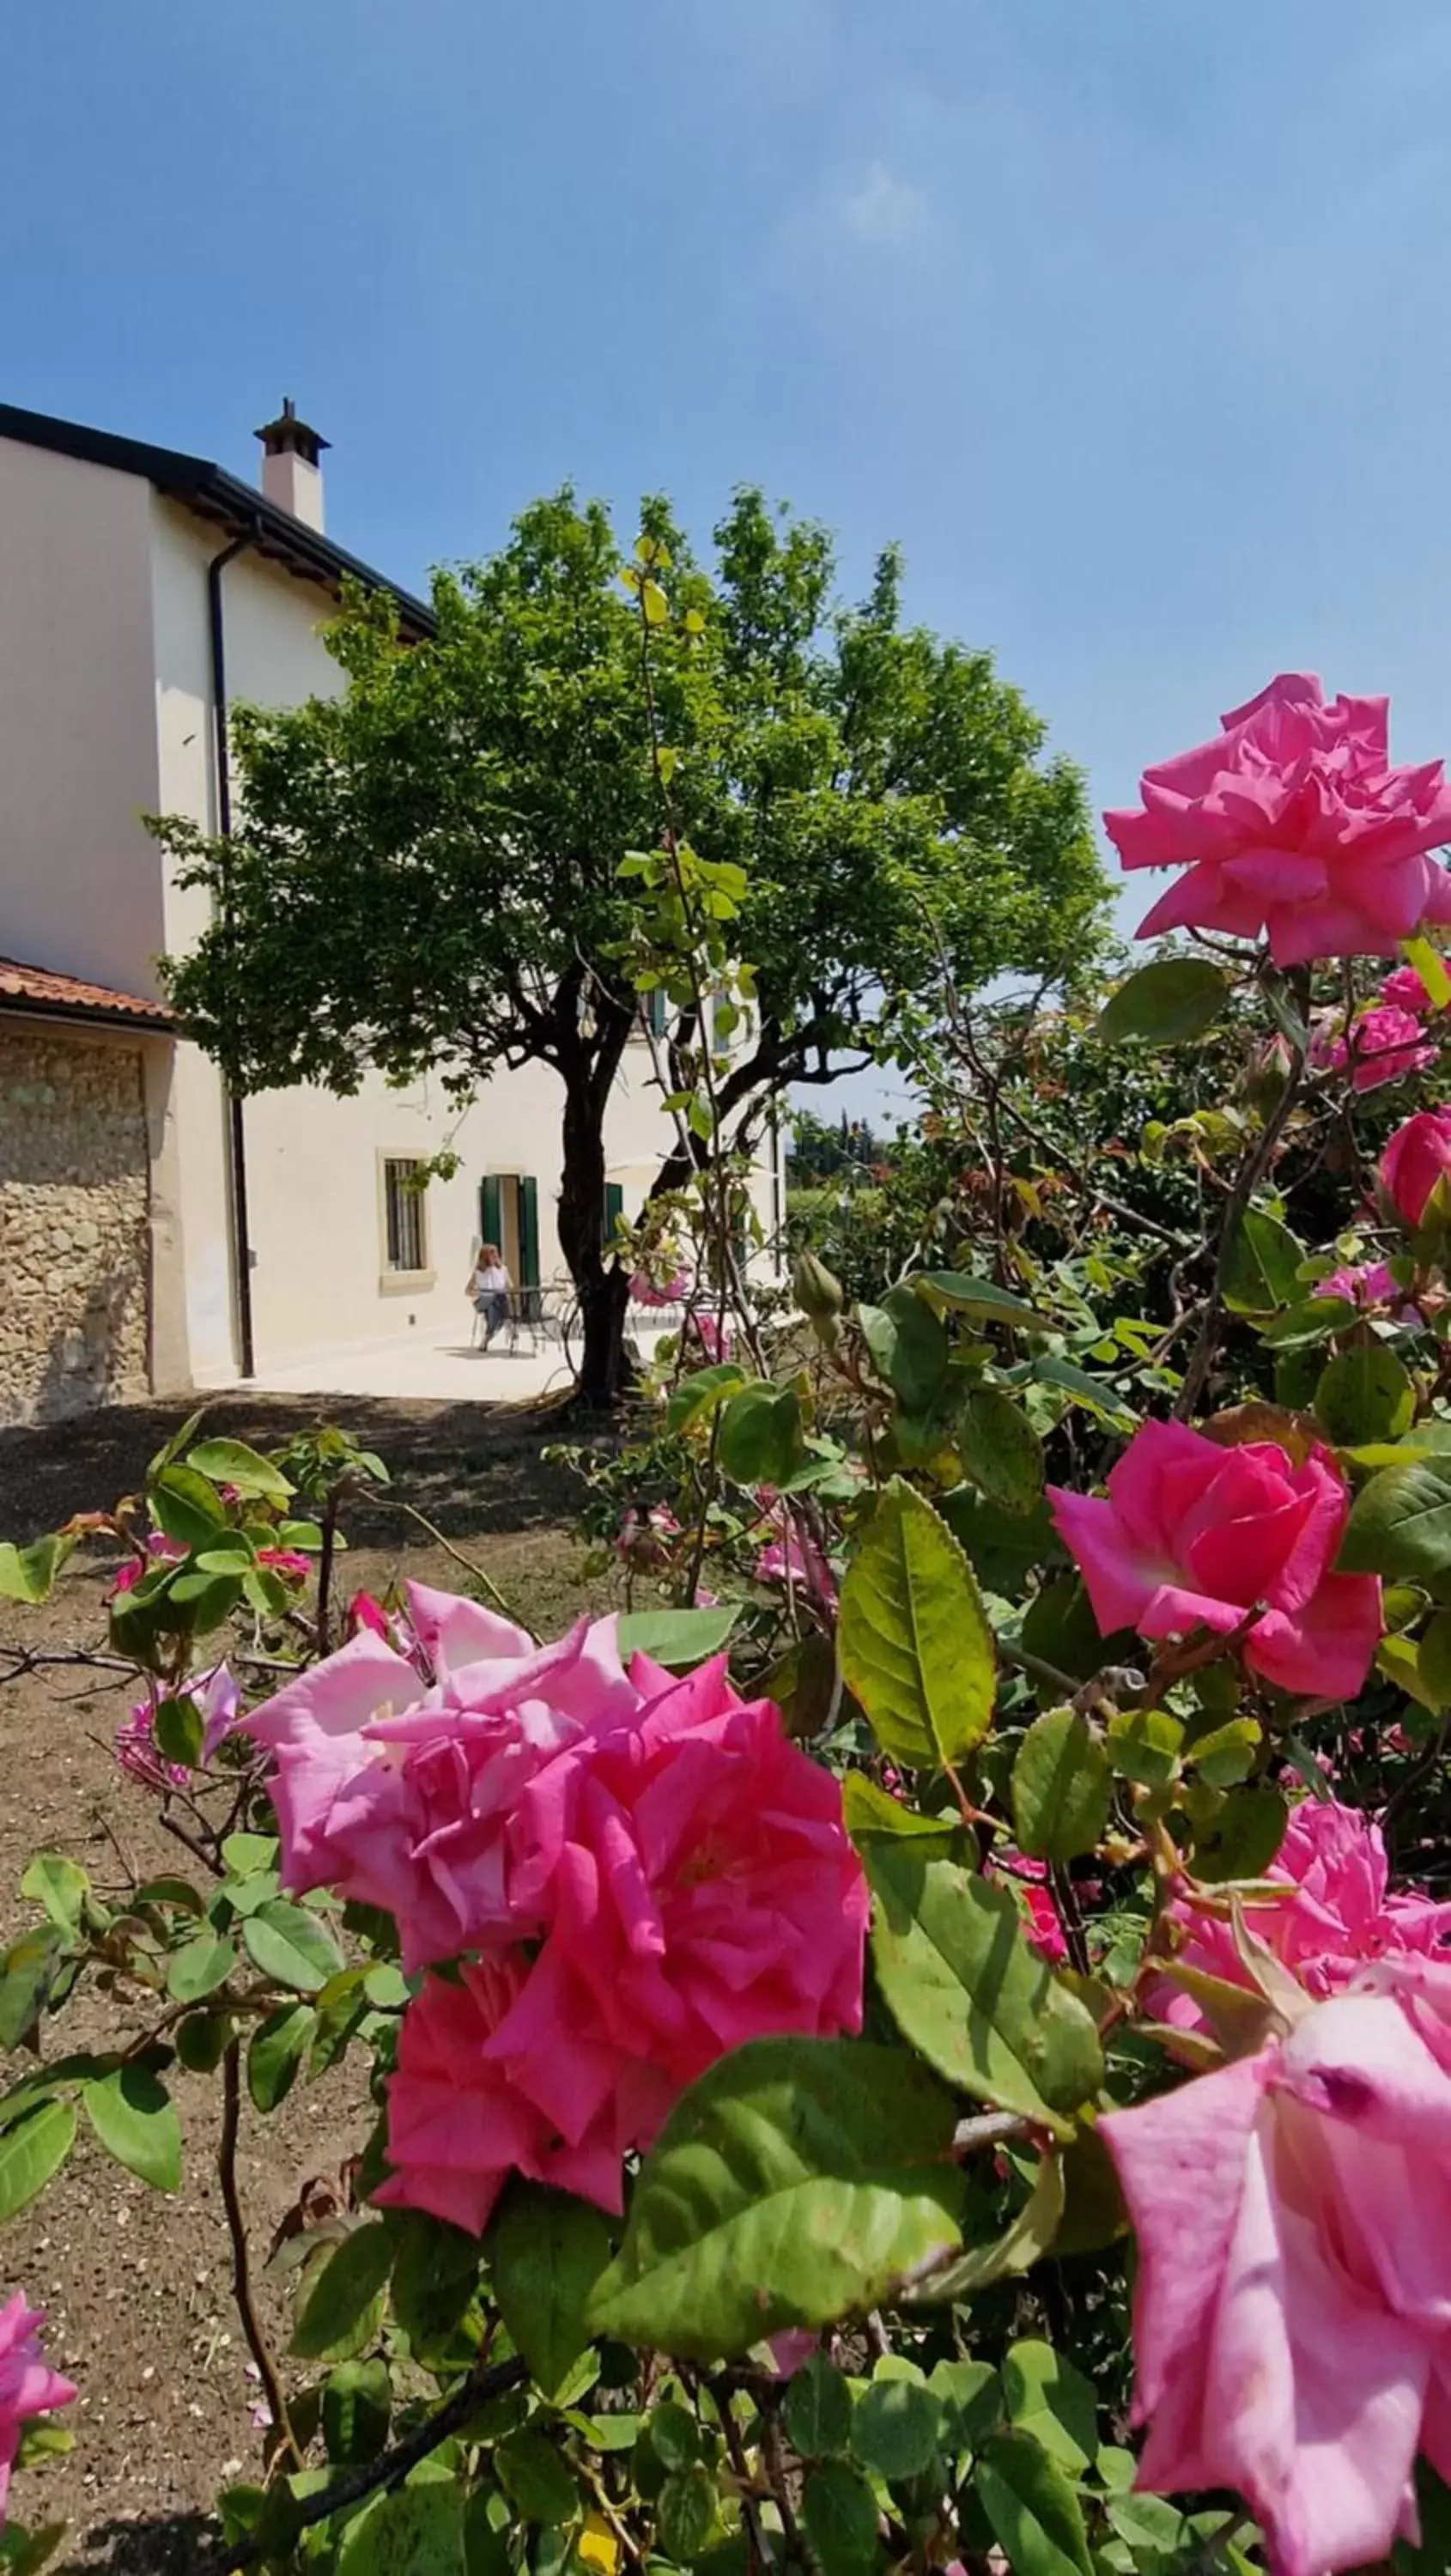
[[1292, 823], [1417, 1157]]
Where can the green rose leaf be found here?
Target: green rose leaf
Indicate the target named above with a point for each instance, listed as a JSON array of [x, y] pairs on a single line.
[[676, 1638], [32, 2151], [908, 1344], [342, 2305], [30, 1969], [983, 1299], [686, 2512], [1045, 2396], [231, 1462], [1033, 2510], [914, 1640], [963, 1986], [180, 1728], [1242, 1838], [840, 2514], [1017, 2249], [1263, 1269], [135, 2119], [539, 2481], [797, 2181], [1062, 1787], [186, 1507], [1400, 1523], [357, 2404], [435, 2275], [1365, 1394], [760, 1437], [1000, 1450], [278, 2047], [547, 2251], [27, 1573], [870, 1810], [419, 2531], [1173, 999], [818, 2409], [198, 1968], [58, 1884], [894, 2428], [292, 1945]]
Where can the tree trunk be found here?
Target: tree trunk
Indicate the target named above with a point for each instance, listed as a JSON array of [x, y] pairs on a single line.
[[603, 1287]]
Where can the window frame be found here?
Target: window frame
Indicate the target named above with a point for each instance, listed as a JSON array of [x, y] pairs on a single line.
[[394, 1280]]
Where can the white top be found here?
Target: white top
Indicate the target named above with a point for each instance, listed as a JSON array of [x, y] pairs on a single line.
[[488, 1281]]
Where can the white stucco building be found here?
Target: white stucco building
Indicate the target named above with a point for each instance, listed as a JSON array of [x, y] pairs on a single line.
[[142, 591]]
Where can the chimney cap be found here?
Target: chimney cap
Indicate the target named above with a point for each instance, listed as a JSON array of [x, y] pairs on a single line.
[[289, 436]]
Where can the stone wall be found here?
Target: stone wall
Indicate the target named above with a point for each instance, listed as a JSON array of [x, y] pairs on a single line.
[[74, 1220]]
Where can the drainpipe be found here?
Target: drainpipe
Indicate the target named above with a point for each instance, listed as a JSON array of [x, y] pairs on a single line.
[[236, 1130]]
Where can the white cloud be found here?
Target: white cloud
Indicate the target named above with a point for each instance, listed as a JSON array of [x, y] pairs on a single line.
[[886, 211]]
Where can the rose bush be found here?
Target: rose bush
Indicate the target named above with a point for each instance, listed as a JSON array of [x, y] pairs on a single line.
[[991, 1875]]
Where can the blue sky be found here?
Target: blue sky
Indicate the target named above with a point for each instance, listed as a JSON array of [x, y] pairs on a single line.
[[1127, 317]]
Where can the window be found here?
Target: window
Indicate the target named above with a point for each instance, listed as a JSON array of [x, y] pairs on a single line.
[[403, 1213]]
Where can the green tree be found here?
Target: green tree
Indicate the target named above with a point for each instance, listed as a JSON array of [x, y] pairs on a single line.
[[425, 872]]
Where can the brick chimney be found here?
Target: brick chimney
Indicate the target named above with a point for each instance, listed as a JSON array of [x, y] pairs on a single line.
[[291, 471]]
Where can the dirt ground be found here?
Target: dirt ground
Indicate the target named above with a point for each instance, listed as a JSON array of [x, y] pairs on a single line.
[[137, 2286]]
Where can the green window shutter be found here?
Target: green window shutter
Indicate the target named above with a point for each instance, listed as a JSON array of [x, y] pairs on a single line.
[[655, 1012], [614, 1206], [528, 1231], [491, 1213]]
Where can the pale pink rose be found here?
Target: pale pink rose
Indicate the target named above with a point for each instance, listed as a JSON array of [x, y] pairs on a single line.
[[714, 1336], [792, 2350], [1292, 822], [1417, 1157], [792, 1556], [1293, 2300], [219, 1699], [1368, 1283], [1405, 989], [1338, 1915], [1194, 1535], [645, 1291], [28, 2386], [397, 1790], [458, 2125], [1383, 1046]]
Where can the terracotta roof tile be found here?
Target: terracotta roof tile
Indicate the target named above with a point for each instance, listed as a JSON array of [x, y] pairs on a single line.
[[34, 988]]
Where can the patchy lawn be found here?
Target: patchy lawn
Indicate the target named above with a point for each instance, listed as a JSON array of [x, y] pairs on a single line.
[[138, 2287]]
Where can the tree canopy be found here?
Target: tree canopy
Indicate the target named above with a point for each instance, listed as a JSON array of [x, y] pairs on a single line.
[[425, 868]]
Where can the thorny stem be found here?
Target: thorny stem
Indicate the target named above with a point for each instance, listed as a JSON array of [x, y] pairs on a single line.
[[762, 2552], [325, 1567], [257, 2343], [392, 2466]]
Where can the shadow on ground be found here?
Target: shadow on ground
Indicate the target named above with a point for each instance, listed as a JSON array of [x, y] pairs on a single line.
[[172, 2544], [469, 1467]]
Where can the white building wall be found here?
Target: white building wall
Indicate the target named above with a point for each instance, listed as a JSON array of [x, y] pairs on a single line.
[[80, 884], [315, 1208]]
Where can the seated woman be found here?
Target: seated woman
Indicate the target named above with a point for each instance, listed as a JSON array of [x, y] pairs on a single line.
[[489, 1288]]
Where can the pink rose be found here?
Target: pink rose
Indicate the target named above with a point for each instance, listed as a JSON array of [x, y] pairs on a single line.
[[458, 2124], [1293, 2301], [1368, 1283], [1335, 1916], [1414, 1161], [714, 1336], [1041, 1926], [397, 1790], [794, 1557], [161, 1550], [1194, 1535], [27, 2385], [1384, 1046], [698, 1888], [1292, 822], [1406, 990], [644, 1291], [288, 1561]]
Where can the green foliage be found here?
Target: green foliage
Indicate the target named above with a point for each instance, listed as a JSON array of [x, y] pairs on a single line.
[[547, 2252], [915, 1646], [796, 2181]]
